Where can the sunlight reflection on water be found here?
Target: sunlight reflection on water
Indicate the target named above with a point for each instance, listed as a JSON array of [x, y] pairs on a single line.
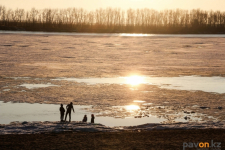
[[132, 107], [193, 83], [50, 112], [128, 115], [135, 80]]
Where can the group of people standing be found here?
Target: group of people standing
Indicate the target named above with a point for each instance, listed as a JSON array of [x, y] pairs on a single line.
[[69, 108]]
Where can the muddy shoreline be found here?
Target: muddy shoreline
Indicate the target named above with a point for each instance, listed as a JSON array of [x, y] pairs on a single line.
[[155, 139]]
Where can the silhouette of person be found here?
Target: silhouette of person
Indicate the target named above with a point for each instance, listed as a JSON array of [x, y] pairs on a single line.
[[85, 118], [62, 110], [92, 118], [68, 110]]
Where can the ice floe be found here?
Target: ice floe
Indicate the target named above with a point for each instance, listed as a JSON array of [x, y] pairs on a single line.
[[32, 86]]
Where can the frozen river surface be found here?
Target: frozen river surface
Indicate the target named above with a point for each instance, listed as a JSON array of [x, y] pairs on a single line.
[[98, 70]]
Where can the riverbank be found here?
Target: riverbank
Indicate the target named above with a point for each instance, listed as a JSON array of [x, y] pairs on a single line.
[[140, 139], [37, 127], [182, 30]]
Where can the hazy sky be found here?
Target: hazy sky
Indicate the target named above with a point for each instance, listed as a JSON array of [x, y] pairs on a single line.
[[124, 4]]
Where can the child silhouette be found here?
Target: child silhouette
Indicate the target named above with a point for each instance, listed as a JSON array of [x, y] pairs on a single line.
[[85, 118], [92, 118]]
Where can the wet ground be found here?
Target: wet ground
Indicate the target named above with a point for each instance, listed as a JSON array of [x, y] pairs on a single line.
[[182, 77], [129, 115]]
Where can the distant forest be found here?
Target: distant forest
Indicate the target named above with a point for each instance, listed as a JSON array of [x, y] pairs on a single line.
[[114, 20]]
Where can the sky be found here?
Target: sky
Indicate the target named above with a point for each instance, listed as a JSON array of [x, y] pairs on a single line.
[[123, 4]]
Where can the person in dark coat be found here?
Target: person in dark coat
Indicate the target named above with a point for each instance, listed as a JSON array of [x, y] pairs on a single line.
[[62, 111], [92, 118], [68, 110], [85, 118]]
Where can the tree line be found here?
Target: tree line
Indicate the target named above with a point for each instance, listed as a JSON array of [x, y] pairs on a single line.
[[113, 20]]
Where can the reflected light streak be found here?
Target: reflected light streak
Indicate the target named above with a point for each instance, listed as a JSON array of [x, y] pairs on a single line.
[[138, 101], [135, 35]]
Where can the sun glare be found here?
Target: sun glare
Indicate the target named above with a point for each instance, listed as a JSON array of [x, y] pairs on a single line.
[[132, 107], [135, 80]]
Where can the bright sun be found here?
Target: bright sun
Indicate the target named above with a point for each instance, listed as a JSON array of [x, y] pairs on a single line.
[[135, 80], [132, 107]]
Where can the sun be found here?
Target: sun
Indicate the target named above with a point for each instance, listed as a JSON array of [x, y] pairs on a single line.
[[132, 107], [134, 80]]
